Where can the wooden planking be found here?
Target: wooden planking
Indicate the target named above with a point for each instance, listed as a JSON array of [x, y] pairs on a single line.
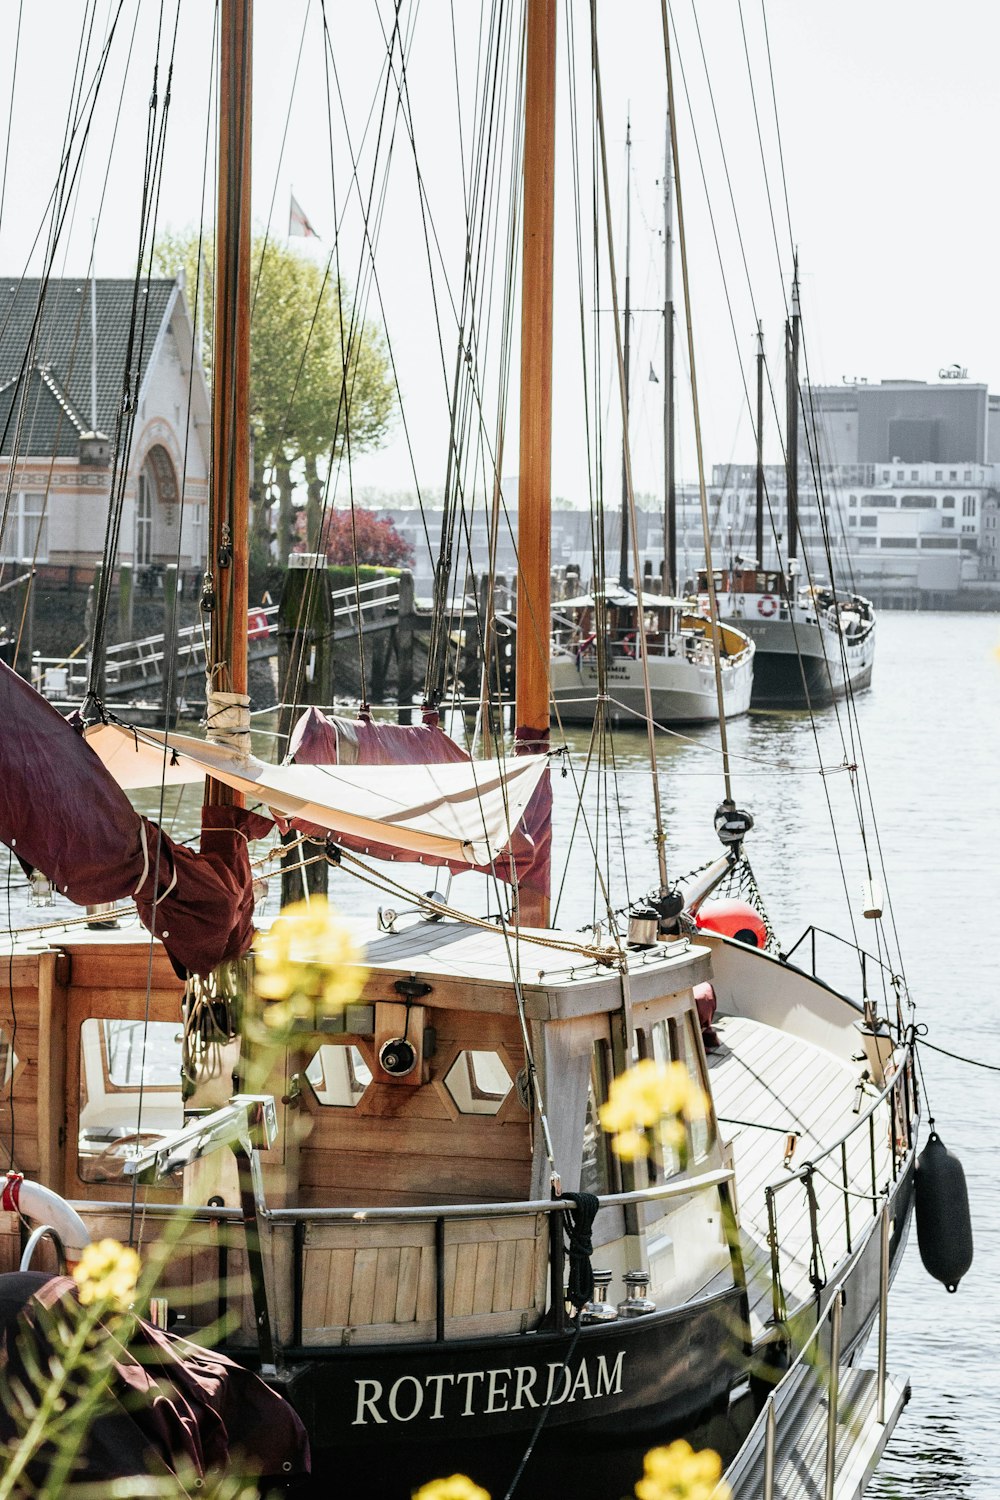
[[338, 1130], [408, 1283], [363, 1285], [486, 1268], [503, 1275], [386, 1285], [779, 1081], [367, 1276], [353, 1175], [121, 966]]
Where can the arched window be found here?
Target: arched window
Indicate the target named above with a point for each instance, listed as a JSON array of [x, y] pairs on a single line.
[[144, 521], [155, 506]]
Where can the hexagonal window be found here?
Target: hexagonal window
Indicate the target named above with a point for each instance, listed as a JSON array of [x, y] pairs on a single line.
[[338, 1075], [478, 1082]]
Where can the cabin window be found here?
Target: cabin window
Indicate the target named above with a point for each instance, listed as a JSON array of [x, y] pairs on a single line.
[[130, 1092], [598, 1166], [338, 1075], [8, 1059], [675, 1040], [479, 1082]]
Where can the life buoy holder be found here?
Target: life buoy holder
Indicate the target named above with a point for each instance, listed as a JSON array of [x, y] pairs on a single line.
[[33, 1201], [767, 606]]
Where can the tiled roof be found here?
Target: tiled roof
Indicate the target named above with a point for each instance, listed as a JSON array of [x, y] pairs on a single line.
[[58, 404]]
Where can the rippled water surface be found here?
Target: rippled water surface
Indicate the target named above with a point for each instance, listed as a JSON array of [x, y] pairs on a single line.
[[927, 733]]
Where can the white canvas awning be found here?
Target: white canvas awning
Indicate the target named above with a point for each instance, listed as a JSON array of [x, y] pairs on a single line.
[[465, 811]]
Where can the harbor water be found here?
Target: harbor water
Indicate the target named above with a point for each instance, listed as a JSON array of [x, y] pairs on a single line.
[[910, 776]]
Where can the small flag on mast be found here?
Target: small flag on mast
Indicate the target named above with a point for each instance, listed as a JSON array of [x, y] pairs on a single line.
[[297, 221]]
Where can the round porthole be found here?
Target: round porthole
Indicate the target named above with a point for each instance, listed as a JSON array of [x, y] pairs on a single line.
[[397, 1057]]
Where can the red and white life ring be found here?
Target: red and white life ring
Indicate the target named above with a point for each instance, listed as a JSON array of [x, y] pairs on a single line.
[[33, 1201], [258, 624], [767, 606]]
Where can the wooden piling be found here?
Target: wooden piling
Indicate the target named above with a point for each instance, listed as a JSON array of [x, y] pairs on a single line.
[[305, 676], [168, 687], [404, 649]]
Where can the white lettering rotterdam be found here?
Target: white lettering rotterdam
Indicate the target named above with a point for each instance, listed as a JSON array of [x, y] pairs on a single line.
[[526, 1377], [497, 1393], [396, 1394], [438, 1381], [609, 1383], [367, 1403], [477, 1393]]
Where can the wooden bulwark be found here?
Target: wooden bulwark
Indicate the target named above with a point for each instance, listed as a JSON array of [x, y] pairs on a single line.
[[375, 1283]]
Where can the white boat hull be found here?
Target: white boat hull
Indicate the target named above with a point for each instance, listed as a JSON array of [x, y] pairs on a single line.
[[682, 691]]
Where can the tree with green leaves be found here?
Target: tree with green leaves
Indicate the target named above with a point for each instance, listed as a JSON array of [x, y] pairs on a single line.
[[320, 377]]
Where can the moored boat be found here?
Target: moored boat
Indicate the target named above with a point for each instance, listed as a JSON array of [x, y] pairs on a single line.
[[418, 1177], [680, 647]]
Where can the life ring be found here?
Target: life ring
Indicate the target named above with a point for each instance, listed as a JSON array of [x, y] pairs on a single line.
[[767, 606], [258, 624]]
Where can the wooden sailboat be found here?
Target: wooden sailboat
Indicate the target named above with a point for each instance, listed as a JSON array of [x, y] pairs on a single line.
[[391, 1249], [814, 643]]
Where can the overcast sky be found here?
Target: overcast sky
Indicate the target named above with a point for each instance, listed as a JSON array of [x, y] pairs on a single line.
[[888, 116]]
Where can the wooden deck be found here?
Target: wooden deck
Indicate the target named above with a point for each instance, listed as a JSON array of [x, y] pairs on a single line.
[[768, 1085]]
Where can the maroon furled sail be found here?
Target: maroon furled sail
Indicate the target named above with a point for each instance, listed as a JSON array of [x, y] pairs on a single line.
[[321, 740], [62, 813], [172, 1406]]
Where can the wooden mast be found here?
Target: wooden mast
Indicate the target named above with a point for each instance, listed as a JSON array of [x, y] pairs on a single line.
[[229, 492], [535, 466]]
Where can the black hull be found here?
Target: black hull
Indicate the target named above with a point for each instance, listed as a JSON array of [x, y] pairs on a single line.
[[782, 680], [384, 1421]]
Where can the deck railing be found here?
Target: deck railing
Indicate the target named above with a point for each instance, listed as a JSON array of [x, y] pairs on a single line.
[[439, 1217], [898, 1092], [781, 1408]]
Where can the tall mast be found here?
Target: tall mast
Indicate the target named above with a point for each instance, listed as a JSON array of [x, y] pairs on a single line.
[[534, 506], [229, 491], [623, 563], [670, 580], [792, 417], [759, 534]]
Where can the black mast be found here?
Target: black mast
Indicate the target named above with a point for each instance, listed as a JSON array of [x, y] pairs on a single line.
[[792, 417], [623, 564], [669, 483], [759, 536]]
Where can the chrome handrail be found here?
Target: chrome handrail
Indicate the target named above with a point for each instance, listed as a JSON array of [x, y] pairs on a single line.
[[766, 1424], [804, 1177]]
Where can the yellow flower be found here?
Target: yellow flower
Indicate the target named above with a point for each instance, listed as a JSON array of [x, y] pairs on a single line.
[[631, 1145], [678, 1473], [458, 1487], [107, 1272], [651, 1095], [307, 962]]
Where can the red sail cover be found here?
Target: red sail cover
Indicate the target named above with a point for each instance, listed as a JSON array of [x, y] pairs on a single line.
[[62, 813], [319, 740]]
